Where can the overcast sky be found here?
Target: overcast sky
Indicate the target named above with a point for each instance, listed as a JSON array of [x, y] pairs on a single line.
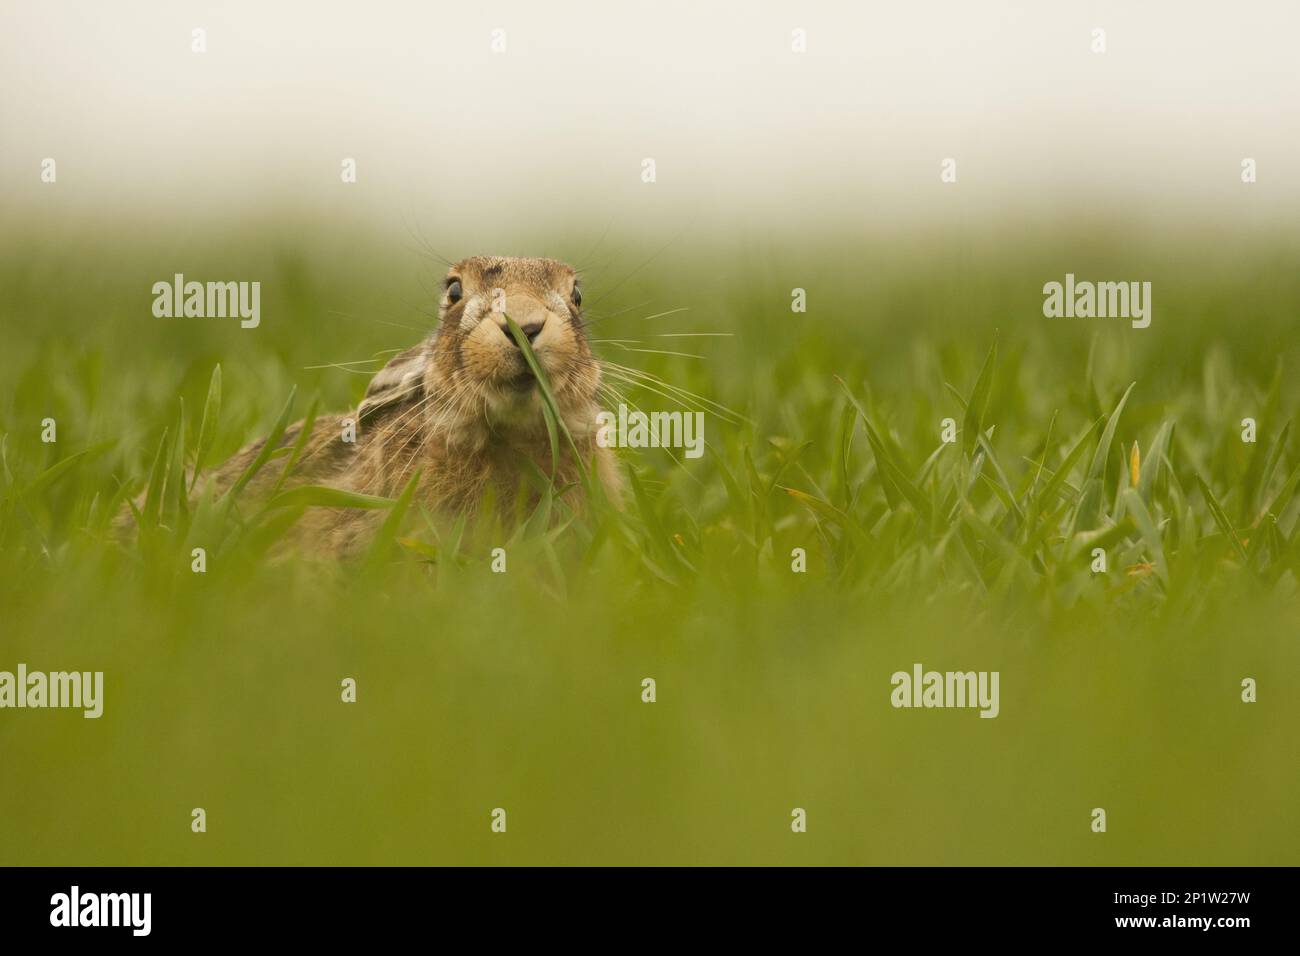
[[712, 91]]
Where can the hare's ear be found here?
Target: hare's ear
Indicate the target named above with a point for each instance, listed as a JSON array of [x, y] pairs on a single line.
[[398, 384]]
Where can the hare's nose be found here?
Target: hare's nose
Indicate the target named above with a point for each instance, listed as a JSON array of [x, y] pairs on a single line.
[[531, 330]]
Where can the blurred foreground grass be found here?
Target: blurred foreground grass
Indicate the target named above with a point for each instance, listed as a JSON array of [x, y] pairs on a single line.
[[476, 690]]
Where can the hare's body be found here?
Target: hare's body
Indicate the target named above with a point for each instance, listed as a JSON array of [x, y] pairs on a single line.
[[461, 409]]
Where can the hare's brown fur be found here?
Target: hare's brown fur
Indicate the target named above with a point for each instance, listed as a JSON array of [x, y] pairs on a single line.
[[460, 408]]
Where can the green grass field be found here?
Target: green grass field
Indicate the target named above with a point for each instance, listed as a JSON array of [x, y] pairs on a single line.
[[1119, 690]]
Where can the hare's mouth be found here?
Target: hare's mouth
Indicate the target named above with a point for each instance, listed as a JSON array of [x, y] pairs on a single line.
[[520, 382]]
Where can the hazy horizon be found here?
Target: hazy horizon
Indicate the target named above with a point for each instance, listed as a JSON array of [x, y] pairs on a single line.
[[555, 128]]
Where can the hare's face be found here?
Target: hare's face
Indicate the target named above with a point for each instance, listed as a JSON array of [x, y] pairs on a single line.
[[476, 356]]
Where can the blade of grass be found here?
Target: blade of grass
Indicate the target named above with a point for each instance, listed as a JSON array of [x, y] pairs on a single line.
[[1221, 517], [1098, 467], [973, 421], [264, 453], [382, 544], [554, 420], [323, 496], [208, 425]]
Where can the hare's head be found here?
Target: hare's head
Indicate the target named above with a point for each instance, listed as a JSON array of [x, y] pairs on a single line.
[[472, 369], [475, 350]]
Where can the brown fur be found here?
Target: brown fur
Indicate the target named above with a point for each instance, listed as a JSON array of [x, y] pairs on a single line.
[[460, 407]]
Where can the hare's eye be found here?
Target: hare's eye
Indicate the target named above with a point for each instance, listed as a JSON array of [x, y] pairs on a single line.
[[454, 291], [577, 296]]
